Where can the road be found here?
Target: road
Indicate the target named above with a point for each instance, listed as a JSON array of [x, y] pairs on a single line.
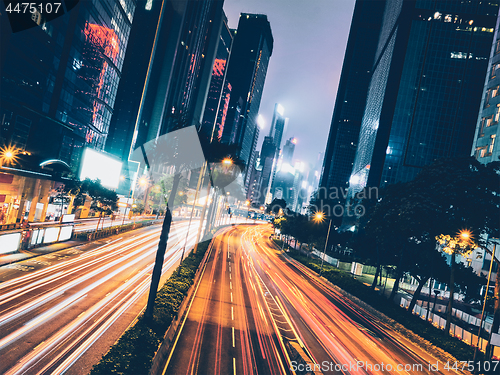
[[61, 311], [255, 311]]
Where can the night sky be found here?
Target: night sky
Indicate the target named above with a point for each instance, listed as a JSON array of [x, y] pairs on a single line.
[[310, 37]]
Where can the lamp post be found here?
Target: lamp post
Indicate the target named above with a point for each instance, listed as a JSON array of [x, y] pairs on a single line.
[[484, 306], [460, 244], [436, 294], [319, 217]]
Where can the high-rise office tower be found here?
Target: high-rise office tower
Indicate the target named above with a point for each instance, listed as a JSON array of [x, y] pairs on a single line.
[[60, 78], [485, 147], [220, 89], [132, 84], [288, 150], [277, 126], [267, 160], [170, 67], [250, 54], [351, 94], [425, 89]]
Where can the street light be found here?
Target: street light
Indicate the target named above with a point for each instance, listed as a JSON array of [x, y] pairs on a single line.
[[8, 154], [461, 243], [318, 217]]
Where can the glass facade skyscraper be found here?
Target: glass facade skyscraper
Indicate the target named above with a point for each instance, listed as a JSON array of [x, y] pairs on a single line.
[[60, 78], [252, 49], [220, 89], [425, 90], [351, 94], [277, 126]]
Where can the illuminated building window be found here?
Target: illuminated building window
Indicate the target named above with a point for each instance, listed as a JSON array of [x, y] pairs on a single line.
[[480, 152], [494, 69], [497, 48], [492, 143], [36, 17]]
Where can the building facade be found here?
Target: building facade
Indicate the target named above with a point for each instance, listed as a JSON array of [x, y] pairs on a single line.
[[251, 51], [485, 147], [351, 94], [169, 70], [425, 88], [219, 93], [60, 79]]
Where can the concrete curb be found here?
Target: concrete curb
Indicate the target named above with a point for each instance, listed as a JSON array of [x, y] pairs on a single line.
[[164, 349]]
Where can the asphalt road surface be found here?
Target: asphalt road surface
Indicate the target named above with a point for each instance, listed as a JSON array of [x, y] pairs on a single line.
[[60, 312], [256, 311]]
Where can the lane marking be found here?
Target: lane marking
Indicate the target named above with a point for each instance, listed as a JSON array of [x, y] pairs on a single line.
[[234, 366], [232, 328], [229, 276], [230, 285], [232, 313], [231, 297]]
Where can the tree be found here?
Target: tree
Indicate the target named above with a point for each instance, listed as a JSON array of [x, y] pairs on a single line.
[[162, 190], [137, 208], [460, 244], [275, 206], [104, 201]]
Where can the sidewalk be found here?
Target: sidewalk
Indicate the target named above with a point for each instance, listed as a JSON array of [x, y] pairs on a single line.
[[27, 254]]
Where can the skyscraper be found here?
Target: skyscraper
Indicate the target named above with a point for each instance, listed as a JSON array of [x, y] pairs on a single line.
[[485, 147], [252, 49], [351, 94], [425, 88], [267, 161], [288, 150], [169, 70], [277, 126], [180, 68], [60, 78], [220, 89]]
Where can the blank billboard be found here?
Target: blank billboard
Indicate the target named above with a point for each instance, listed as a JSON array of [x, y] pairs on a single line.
[[96, 165]]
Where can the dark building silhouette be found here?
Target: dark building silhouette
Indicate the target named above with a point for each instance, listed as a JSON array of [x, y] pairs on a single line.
[[351, 94], [424, 95], [252, 48], [277, 126], [60, 79], [219, 93], [169, 67], [288, 150], [267, 160]]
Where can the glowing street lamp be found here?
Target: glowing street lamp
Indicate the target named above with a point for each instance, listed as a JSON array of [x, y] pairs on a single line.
[[462, 244], [227, 161], [8, 154]]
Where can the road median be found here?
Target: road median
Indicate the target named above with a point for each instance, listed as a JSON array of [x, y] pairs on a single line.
[[136, 350]]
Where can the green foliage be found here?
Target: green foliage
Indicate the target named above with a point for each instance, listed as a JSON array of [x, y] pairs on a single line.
[[103, 200], [275, 206], [133, 353], [161, 190], [138, 209]]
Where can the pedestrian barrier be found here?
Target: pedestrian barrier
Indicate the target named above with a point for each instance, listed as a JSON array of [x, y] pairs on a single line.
[[456, 330]]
